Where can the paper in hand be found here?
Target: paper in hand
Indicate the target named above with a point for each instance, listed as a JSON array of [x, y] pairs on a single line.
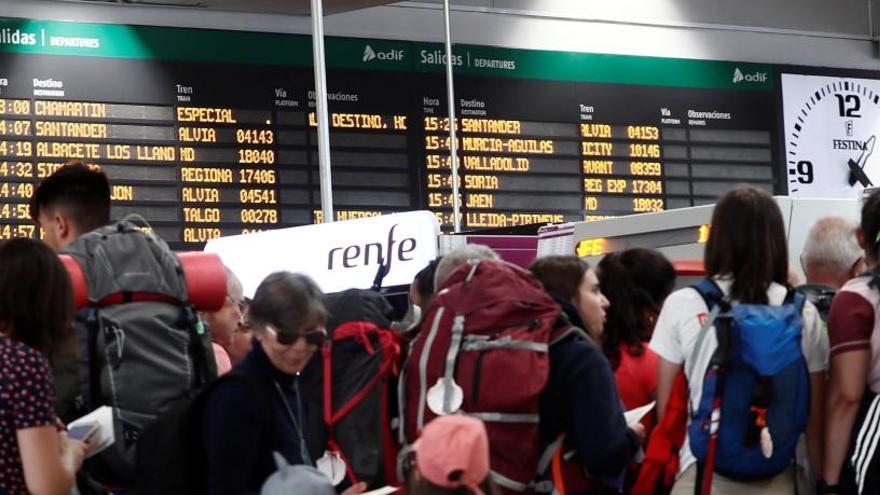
[[105, 435], [385, 490], [635, 415]]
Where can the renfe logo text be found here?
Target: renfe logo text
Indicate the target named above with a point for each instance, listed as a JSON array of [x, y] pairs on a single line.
[[372, 253]]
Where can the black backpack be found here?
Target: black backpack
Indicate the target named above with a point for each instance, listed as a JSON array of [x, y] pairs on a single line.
[[170, 456], [354, 394], [141, 345], [821, 297]]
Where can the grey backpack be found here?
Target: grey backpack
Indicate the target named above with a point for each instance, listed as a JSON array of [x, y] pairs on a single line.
[[141, 346]]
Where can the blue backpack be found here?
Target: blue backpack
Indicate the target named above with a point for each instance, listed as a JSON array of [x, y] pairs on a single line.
[[756, 388]]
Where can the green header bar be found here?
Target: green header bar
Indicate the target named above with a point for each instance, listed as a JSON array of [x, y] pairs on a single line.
[[588, 67], [202, 45]]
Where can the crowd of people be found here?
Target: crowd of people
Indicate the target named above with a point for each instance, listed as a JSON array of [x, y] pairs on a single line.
[[760, 386]]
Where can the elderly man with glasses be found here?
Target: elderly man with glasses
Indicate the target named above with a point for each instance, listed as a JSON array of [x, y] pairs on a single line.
[[224, 323]]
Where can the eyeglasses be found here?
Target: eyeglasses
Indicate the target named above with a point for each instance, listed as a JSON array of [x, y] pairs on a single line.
[[242, 306], [313, 337]]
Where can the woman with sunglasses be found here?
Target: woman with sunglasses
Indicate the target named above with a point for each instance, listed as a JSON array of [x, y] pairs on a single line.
[[259, 410]]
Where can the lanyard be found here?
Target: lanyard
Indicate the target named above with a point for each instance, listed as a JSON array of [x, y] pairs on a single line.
[[303, 451]]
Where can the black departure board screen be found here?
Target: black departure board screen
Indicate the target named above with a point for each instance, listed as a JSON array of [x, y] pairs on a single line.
[[591, 151], [210, 133]]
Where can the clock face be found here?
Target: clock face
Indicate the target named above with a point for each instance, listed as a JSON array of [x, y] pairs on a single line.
[[832, 125]]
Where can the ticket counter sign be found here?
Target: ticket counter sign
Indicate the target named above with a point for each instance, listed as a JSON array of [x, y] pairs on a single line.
[[338, 255]]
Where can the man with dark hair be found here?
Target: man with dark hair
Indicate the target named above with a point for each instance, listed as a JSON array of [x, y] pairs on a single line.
[[69, 203], [72, 201]]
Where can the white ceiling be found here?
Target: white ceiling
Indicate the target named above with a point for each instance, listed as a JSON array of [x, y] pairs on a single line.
[[288, 7]]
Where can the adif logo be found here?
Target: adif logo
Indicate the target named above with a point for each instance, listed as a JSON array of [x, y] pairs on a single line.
[[370, 54], [756, 77]]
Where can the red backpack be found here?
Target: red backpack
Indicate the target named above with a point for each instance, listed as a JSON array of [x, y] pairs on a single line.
[[483, 351]]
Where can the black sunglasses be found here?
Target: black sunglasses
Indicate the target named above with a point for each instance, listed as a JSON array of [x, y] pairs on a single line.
[[313, 337]]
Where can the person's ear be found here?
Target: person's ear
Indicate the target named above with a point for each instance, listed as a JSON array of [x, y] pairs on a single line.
[[62, 226]]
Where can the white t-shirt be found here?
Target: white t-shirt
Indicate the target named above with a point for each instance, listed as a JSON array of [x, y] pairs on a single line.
[[678, 328]]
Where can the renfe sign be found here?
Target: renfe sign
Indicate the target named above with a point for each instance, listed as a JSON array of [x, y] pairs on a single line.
[[338, 255]]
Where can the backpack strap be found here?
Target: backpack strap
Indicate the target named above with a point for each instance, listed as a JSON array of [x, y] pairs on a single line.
[[332, 446], [715, 301], [93, 326], [797, 298], [562, 328], [710, 292], [452, 358]]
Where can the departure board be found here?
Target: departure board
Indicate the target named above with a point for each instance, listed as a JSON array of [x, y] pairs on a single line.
[[591, 151], [209, 133]]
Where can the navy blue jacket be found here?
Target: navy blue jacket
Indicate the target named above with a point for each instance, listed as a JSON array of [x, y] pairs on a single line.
[[239, 436], [581, 400]]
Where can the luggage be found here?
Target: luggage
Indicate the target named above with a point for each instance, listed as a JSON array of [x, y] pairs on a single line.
[[755, 397], [350, 382], [483, 351], [141, 345]]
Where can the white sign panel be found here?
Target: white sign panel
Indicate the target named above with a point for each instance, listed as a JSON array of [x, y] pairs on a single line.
[[338, 255], [831, 130]]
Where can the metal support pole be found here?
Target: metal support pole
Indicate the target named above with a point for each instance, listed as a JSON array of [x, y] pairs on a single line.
[[321, 110], [453, 144]]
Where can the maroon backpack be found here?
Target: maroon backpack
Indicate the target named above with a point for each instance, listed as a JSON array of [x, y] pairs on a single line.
[[483, 351]]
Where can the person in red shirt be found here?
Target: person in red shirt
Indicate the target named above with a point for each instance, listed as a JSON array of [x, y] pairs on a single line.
[[636, 281]]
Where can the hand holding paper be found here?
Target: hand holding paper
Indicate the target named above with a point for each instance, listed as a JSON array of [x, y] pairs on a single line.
[[385, 490], [635, 415], [104, 435]]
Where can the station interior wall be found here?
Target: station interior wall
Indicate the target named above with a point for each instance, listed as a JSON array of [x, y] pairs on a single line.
[[838, 33]]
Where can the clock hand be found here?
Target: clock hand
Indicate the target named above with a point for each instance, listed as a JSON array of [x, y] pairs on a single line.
[[856, 174], [867, 153], [860, 176]]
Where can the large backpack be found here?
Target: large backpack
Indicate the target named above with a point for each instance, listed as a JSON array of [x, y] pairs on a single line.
[[349, 382], [755, 396], [170, 452], [483, 351], [140, 343]]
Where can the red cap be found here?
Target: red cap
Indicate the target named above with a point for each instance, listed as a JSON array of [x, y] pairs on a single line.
[[453, 451]]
